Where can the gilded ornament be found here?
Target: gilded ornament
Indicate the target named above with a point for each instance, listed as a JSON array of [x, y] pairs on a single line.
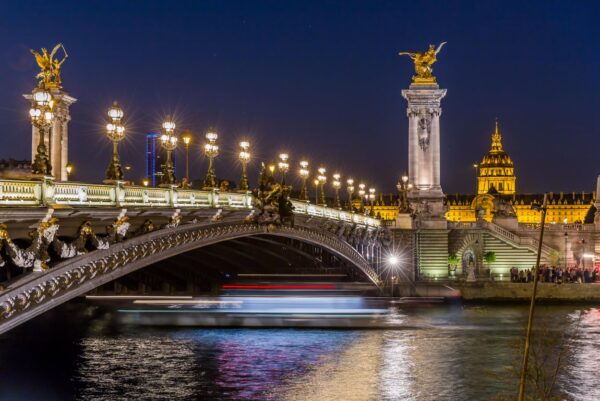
[[423, 62], [50, 65]]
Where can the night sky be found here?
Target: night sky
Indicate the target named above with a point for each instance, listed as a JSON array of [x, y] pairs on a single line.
[[320, 80]]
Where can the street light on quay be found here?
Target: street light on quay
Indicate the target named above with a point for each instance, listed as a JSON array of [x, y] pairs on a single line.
[[361, 195], [316, 182], [322, 178], [41, 118], [244, 157], [211, 150], [169, 143], [283, 166], [337, 184], [350, 190], [187, 140], [393, 262], [403, 189], [304, 176], [372, 201], [476, 167], [115, 131]]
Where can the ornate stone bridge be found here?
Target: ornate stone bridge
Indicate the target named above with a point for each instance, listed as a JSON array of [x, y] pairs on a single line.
[[82, 236]]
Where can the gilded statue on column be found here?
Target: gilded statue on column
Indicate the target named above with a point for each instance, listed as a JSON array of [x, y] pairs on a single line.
[[49, 63], [423, 62]]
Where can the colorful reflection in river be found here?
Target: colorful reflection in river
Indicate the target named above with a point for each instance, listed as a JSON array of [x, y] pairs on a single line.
[[434, 353]]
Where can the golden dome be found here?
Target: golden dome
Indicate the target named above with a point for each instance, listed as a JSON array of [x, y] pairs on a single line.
[[496, 162]]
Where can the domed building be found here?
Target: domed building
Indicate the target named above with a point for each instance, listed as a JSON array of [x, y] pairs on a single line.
[[496, 170], [497, 196]]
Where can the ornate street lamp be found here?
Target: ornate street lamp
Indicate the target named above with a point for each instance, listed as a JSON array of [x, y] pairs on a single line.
[[187, 140], [361, 196], [145, 182], [169, 143], [337, 184], [322, 180], [211, 150], [115, 131], [372, 200], [244, 157], [41, 118], [403, 189], [304, 176], [69, 168], [316, 182], [476, 168], [283, 166], [350, 190]]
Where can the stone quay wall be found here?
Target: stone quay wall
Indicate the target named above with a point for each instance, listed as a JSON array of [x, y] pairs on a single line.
[[500, 291]]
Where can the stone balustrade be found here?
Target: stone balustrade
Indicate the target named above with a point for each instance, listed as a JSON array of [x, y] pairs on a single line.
[[334, 214], [46, 193]]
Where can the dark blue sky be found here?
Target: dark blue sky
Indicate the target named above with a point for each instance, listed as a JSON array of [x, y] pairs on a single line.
[[321, 80]]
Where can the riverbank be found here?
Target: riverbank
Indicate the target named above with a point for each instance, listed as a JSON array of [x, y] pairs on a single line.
[[501, 291]]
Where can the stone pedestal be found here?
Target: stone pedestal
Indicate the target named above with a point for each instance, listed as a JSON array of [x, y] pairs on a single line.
[[426, 197], [404, 221], [57, 142]]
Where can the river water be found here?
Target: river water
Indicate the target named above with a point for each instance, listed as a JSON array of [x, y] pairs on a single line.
[[441, 352]]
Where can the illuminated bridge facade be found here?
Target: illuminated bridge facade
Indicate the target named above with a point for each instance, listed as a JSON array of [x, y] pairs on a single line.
[[60, 240]]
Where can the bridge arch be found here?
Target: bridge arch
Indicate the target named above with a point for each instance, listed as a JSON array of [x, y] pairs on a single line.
[[35, 294]]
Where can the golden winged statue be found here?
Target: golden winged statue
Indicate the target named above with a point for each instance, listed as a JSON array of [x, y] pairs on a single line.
[[423, 62], [49, 75]]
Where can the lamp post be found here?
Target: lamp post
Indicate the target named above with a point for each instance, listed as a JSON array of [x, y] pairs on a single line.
[[403, 189], [41, 118], [476, 167], [145, 182], [303, 176], [393, 262], [316, 182], [283, 166], [361, 195], [169, 143], [115, 131], [337, 184], [211, 150], [69, 168], [244, 157], [350, 190], [372, 201], [566, 245], [322, 180], [187, 140]]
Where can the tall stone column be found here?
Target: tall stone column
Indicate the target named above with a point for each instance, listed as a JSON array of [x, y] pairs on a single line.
[[597, 205], [427, 198], [57, 143]]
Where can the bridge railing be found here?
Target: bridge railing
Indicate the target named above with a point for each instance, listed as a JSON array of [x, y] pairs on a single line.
[[47, 193], [18, 193], [335, 214]]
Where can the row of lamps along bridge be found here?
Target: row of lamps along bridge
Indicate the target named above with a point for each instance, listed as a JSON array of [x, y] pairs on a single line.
[[42, 115]]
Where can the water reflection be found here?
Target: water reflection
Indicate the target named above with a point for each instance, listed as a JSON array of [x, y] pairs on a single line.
[[441, 353]]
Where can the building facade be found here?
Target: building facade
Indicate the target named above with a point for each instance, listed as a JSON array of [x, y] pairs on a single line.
[[497, 195]]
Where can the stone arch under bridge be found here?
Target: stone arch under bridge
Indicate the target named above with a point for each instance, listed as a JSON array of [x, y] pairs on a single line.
[[39, 292]]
